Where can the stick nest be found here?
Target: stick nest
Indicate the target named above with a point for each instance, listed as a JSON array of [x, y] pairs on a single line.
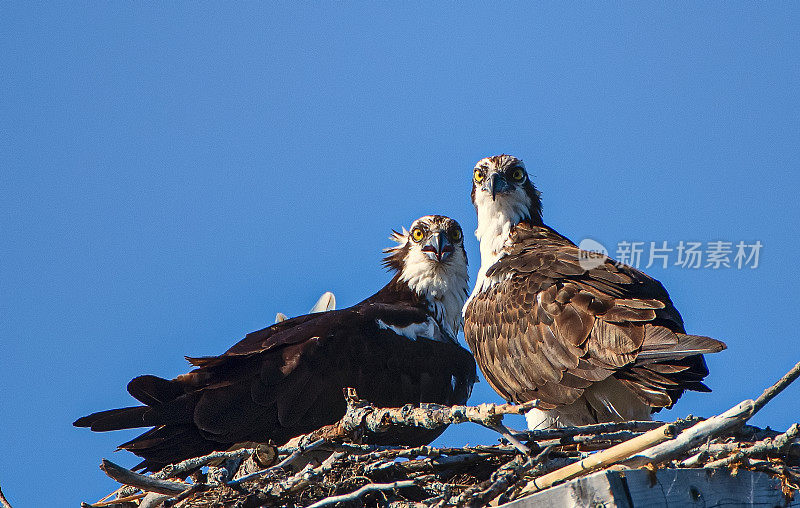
[[329, 467]]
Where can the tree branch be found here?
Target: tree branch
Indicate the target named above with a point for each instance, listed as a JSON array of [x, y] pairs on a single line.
[[140, 481], [3, 501], [284, 463], [777, 388], [361, 417], [372, 487], [762, 447], [602, 459]]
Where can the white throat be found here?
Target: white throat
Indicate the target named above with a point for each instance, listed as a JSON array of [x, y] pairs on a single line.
[[496, 217], [443, 286]]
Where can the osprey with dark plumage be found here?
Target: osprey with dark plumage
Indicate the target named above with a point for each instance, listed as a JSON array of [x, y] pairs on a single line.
[[396, 347], [592, 342]]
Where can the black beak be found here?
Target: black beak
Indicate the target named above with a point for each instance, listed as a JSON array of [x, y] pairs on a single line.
[[496, 183], [438, 247]]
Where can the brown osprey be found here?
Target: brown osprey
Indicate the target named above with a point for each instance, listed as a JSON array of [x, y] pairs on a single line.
[[396, 347], [592, 342]]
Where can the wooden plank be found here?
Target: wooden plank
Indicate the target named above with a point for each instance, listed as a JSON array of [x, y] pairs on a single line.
[[704, 487], [667, 488], [602, 489]]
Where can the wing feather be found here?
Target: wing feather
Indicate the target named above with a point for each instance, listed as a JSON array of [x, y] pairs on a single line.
[[548, 328]]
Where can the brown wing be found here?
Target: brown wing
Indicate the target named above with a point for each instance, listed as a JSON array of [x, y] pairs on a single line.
[[550, 328], [287, 380]]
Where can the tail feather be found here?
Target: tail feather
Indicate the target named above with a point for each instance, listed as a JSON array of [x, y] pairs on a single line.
[[115, 419], [154, 391], [166, 445], [168, 408], [158, 395], [668, 364], [686, 345]]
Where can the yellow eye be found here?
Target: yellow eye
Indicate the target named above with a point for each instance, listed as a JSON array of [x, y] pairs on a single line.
[[455, 235], [417, 234], [478, 176], [517, 174]]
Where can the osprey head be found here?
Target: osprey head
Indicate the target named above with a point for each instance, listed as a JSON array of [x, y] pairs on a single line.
[[430, 258], [501, 183], [434, 243]]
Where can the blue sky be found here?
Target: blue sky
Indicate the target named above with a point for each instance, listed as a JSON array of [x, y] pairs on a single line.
[[173, 175]]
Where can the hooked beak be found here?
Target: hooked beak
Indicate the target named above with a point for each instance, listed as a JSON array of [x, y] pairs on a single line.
[[438, 247], [496, 184]]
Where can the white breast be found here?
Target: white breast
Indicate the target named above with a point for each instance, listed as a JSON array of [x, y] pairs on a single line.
[[495, 220], [443, 287]]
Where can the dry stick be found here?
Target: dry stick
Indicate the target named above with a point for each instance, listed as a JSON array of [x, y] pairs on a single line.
[[426, 451], [183, 497], [693, 436], [426, 464], [765, 446], [711, 450], [505, 477], [602, 459], [361, 417], [3, 501], [307, 475], [140, 481], [186, 466], [153, 500], [302, 478], [372, 487], [720, 451], [198, 462], [103, 504], [519, 465], [506, 433], [777, 388], [566, 432], [727, 421], [588, 442], [285, 462]]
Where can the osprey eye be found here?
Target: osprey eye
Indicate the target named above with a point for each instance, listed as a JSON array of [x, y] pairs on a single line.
[[455, 235], [417, 234], [517, 175], [478, 176]]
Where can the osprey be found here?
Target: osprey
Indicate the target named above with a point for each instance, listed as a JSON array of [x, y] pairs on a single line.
[[396, 347], [590, 339]]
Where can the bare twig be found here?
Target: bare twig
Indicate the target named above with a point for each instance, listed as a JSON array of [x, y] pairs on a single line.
[[3, 501], [505, 477], [506, 433], [426, 464], [727, 421], [361, 417], [186, 466], [762, 447], [151, 500], [118, 500], [372, 487], [305, 476], [777, 388], [602, 459], [284, 463], [566, 432], [140, 481], [189, 465], [693, 436]]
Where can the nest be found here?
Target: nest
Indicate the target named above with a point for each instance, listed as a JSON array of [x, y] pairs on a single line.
[[329, 467]]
